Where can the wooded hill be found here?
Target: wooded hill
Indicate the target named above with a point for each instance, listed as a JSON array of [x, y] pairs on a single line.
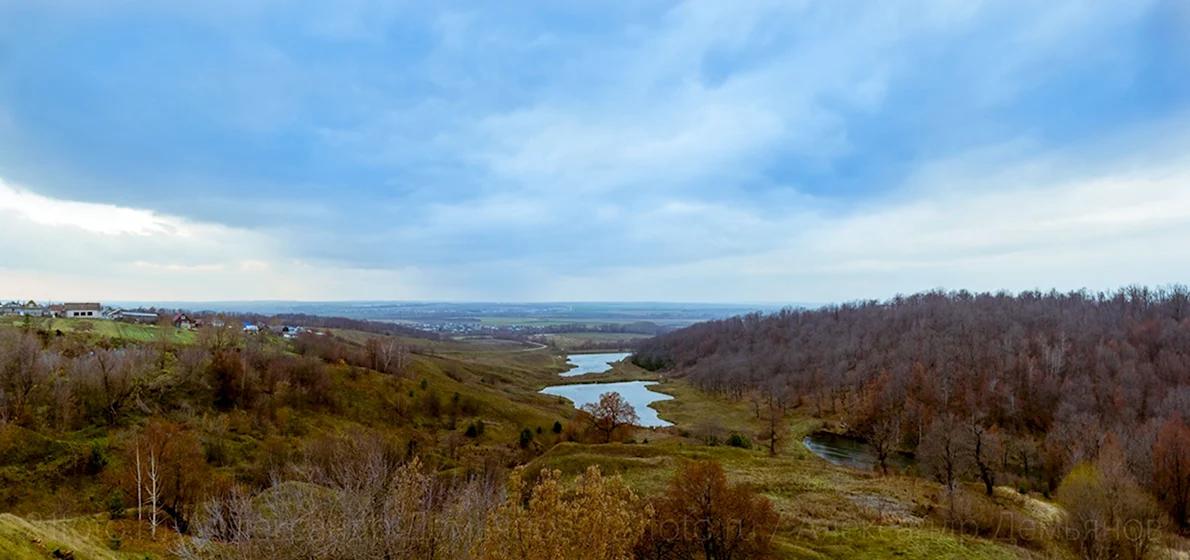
[[1041, 380]]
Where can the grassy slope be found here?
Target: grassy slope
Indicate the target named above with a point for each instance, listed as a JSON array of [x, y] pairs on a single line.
[[37, 540], [504, 383], [109, 329]]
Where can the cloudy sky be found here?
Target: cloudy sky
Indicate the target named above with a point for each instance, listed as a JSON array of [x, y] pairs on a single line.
[[742, 151]]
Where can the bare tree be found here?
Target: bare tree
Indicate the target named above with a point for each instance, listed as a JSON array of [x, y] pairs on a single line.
[[983, 446], [942, 451], [775, 430], [154, 492], [611, 413]]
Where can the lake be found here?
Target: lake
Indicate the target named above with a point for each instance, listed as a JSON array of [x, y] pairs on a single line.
[[592, 363], [635, 392], [849, 451]]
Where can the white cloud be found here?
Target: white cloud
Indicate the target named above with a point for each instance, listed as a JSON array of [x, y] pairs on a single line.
[[94, 218], [61, 249], [1055, 219]]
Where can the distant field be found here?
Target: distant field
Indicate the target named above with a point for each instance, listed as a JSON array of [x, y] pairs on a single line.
[[567, 341], [547, 321]]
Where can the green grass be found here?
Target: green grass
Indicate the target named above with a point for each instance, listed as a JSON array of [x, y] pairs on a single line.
[[37, 540], [107, 329]]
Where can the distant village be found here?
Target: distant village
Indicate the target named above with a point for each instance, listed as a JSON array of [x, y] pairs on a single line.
[[180, 320]]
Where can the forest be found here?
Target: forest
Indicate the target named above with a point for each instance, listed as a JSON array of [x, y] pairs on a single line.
[[996, 388]]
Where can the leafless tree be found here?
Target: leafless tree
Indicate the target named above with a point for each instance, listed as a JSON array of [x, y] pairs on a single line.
[[611, 413]]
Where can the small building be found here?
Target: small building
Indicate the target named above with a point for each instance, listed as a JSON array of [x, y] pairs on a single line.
[[249, 327], [182, 321], [136, 317], [88, 310], [27, 309]]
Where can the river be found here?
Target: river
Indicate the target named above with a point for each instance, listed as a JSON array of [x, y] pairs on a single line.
[[635, 392], [592, 363], [849, 451]]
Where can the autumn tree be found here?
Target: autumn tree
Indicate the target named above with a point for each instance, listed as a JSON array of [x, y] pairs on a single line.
[[984, 451], [881, 425], [1171, 469], [387, 354], [1107, 515], [942, 452], [226, 370], [215, 339], [602, 520], [110, 381], [610, 414], [701, 516], [21, 371], [166, 471], [775, 429], [363, 503]]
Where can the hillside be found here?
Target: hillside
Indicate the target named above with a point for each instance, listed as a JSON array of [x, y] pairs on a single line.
[[262, 425]]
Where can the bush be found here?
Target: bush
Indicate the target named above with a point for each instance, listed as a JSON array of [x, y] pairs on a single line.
[[977, 515], [472, 431], [557, 427], [526, 438], [115, 506], [739, 440], [1108, 516], [700, 512], [600, 519]]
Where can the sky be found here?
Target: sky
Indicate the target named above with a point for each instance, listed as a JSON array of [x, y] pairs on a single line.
[[575, 150]]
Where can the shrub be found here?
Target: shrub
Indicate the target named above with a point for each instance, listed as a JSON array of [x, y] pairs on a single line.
[[1108, 516], [115, 506], [601, 519], [739, 440], [979, 516], [700, 514], [557, 427], [526, 438]]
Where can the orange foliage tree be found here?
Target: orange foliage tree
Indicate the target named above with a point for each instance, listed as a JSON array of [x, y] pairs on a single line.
[[165, 471], [701, 516], [1171, 468]]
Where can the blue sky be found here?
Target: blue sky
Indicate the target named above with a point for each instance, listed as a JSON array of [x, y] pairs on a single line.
[[664, 151]]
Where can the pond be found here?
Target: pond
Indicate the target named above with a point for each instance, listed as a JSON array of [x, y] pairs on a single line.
[[850, 451], [592, 363], [635, 392]]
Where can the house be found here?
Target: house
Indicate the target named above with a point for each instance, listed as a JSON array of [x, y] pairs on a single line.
[[91, 310], [182, 321], [249, 327], [29, 309]]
